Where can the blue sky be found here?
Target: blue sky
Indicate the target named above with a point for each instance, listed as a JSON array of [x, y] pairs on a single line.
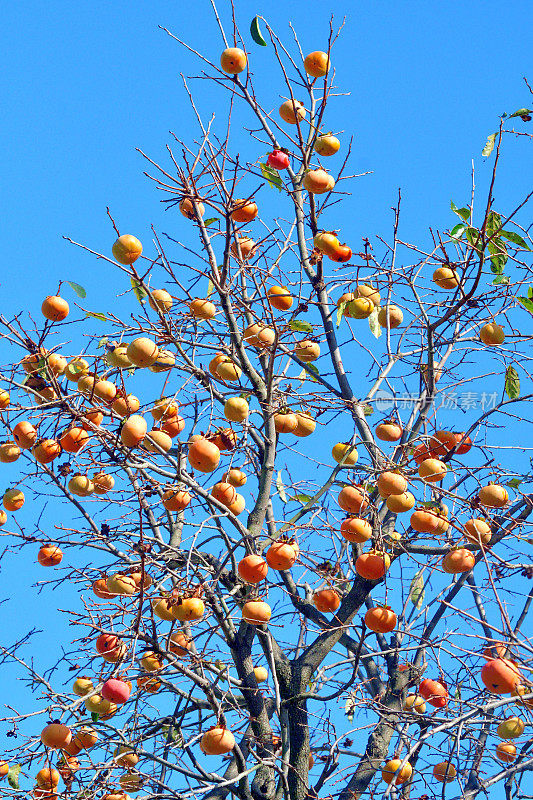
[[84, 84]]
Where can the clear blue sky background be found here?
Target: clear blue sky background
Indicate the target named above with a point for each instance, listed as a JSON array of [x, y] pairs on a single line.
[[85, 83]]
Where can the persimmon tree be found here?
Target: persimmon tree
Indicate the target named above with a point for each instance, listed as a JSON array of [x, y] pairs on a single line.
[[293, 579]]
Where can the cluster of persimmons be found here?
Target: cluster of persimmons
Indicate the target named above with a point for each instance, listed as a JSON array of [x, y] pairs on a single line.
[[102, 402]]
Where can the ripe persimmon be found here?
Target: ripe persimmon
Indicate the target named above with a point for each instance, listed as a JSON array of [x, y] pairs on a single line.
[[142, 352], [356, 530], [217, 741], [380, 619], [244, 210], [353, 499], [281, 555], [458, 560], [318, 181], [74, 439], [327, 145], [280, 298], [256, 612], [372, 565], [50, 555], [252, 568], [292, 111], [233, 60], [326, 600], [127, 249], [203, 455], [55, 308]]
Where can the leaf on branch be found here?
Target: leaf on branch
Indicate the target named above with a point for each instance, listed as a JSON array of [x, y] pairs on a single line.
[[512, 383], [305, 373], [373, 324], [494, 223], [340, 312], [489, 146], [514, 483], [13, 776], [500, 279], [256, 34], [94, 716], [367, 410], [302, 498], [96, 315], [210, 221], [350, 706], [300, 325], [522, 112], [281, 488], [139, 291], [464, 212], [103, 341], [515, 238], [473, 236], [272, 176], [416, 589], [80, 291], [458, 230], [498, 257], [210, 287], [527, 303]]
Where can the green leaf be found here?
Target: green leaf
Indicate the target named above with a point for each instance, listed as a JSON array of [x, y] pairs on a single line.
[[210, 221], [257, 36], [102, 343], [530, 292], [80, 291], [514, 483], [210, 287], [302, 498], [458, 230], [96, 315], [304, 374], [340, 311], [499, 255], [139, 291], [515, 238], [375, 328], [367, 410], [94, 716], [300, 325], [474, 237], [314, 370], [223, 670], [489, 146], [416, 589], [527, 303], [272, 176], [512, 383], [521, 112], [500, 279], [281, 488], [457, 695], [350, 706], [13, 776], [464, 213], [494, 223]]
